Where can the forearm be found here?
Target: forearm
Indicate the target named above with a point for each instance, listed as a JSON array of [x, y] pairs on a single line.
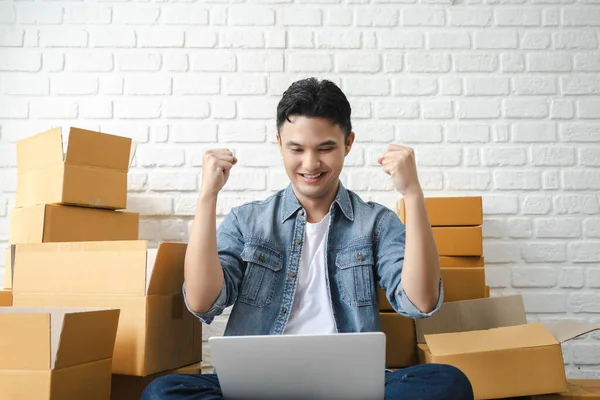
[[203, 271], [421, 270]]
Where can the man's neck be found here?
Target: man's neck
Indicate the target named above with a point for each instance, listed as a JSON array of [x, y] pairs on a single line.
[[317, 208]]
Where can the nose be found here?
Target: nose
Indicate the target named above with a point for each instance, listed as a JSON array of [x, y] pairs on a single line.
[[311, 162]]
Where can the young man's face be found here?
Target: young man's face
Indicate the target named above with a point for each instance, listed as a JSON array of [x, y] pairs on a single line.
[[313, 151]]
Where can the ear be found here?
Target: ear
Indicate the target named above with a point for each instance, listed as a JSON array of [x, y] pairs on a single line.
[[278, 140], [349, 142]]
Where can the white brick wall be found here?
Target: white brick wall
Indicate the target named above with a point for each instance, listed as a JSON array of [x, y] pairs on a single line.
[[497, 98]]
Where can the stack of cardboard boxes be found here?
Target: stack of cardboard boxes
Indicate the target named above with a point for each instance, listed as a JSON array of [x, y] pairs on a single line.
[[71, 248]]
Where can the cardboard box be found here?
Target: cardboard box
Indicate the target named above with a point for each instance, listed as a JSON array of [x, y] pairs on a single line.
[[384, 304], [131, 387], [401, 340], [487, 291], [5, 298], [449, 211], [492, 343], [458, 241], [56, 223], [56, 354], [92, 173], [461, 262], [463, 283], [156, 332], [578, 389]]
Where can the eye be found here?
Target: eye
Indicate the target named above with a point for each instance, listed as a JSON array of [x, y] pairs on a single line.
[[296, 150], [325, 149]]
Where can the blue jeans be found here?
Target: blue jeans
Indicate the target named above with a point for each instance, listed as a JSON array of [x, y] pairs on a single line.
[[419, 382]]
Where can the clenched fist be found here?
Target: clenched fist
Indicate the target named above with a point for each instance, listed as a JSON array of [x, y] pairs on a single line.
[[399, 163], [216, 165]]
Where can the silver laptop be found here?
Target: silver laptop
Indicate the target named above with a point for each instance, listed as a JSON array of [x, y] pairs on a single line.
[[349, 366]]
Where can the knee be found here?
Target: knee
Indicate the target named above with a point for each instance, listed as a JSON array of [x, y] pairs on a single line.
[[155, 390], [456, 382]]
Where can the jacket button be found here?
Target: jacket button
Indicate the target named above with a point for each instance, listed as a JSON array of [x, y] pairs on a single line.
[[360, 256], [292, 274], [298, 241], [261, 258], [283, 310]]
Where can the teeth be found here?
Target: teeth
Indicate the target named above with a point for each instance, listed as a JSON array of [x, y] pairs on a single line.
[[312, 176]]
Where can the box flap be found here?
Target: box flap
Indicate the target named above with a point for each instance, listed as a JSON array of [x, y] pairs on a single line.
[[27, 224], [570, 329], [87, 335], [39, 151], [166, 276], [470, 315], [24, 339], [504, 338], [98, 149]]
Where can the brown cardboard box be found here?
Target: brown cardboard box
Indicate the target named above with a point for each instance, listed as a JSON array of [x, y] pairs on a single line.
[[384, 304], [92, 173], [401, 340], [449, 211], [463, 283], [461, 262], [56, 354], [578, 389], [5, 298], [459, 240], [56, 223], [131, 387], [492, 343], [156, 332], [487, 291]]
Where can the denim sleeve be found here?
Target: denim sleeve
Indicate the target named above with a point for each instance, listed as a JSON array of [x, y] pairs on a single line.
[[391, 241], [230, 243]]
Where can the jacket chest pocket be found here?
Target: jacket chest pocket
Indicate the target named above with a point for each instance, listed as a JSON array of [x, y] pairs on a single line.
[[354, 275], [262, 273]]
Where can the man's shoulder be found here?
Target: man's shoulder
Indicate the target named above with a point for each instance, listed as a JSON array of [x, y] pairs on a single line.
[[261, 205]]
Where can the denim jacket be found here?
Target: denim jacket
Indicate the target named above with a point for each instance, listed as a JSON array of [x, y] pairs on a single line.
[[259, 246]]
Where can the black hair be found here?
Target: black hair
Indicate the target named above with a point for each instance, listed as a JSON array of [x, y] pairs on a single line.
[[313, 99]]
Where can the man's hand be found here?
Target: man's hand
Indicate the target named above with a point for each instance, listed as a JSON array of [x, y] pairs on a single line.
[[399, 163], [216, 165]]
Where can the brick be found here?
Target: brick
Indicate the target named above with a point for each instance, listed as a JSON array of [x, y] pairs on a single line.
[[196, 84], [338, 39], [557, 228], [74, 85], [536, 205], [139, 61], [493, 229], [251, 16], [549, 62], [475, 62], [14, 109], [369, 179], [518, 17], [536, 41], [438, 157], [486, 86], [427, 62], [31, 13], [377, 17], [593, 277], [270, 156], [223, 108], [545, 303], [150, 205], [278, 179], [309, 62], [173, 181], [584, 302], [543, 252], [499, 204], [361, 108], [112, 37], [138, 14], [374, 132], [21, 84], [190, 107], [8, 155], [408, 40], [160, 157], [562, 109], [258, 108], [500, 252], [160, 133], [176, 62], [111, 85], [194, 132], [450, 86], [96, 61], [478, 109], [526, 108], [160, 37], [576, 204], [147, 85], [300, 16], [570, 40], [466, 133], [338, 17], [500, 157], [497, 276], [214, 61], [96, 108], [438, 109], [355, 158], [397, 109], [587, 61], [88, 14], [501, 133], [414, 86], [581, 180], [208, 38], [534, 85], [137, 108], [519, 228], [419, 133], [585, 354], [512, 62], [421, 16], [581, 16], [63, 37], [580, 84], [261, 62], [369, 86], [245, 132], [571, 278], [7, 13], [237, 39], [300, 39], [449, 40], [580, 132], [11, 37], [495, 40], [588, 109], [589, 157], [9, 176], [365, 62], [591, 228], [470, 17], [251, 179], [184, 14], [553, 156], [53, 108], [517, 180], [551, 16], [534, 277], [550, 180], [464, 180]]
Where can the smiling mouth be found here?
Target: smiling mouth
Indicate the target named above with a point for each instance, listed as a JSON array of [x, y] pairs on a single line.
[[315, 176]]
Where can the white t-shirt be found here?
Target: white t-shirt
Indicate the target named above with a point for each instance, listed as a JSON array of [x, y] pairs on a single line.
[[311, 311]]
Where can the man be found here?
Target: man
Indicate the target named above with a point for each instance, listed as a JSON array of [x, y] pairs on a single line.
[[308, 259]]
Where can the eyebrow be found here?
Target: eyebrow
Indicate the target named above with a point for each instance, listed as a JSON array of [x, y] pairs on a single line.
[[326, 143]]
